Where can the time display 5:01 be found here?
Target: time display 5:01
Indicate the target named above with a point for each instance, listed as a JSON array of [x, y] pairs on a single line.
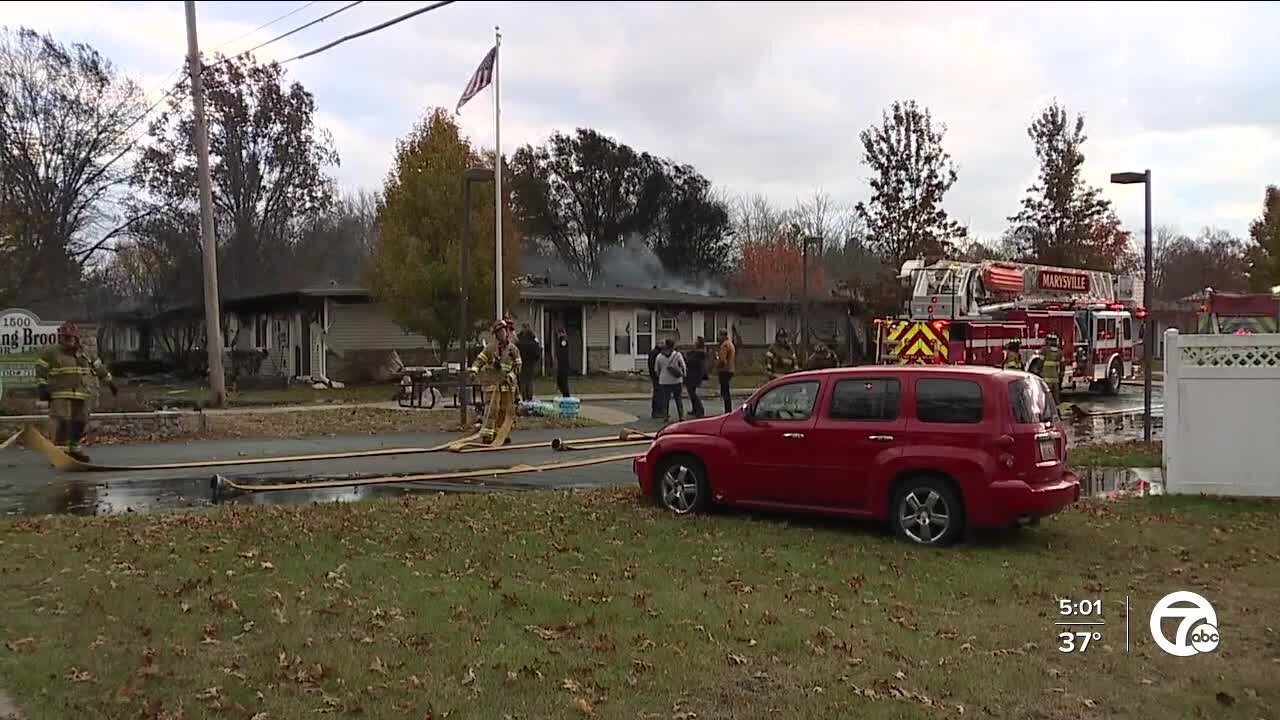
[[1079, 607]]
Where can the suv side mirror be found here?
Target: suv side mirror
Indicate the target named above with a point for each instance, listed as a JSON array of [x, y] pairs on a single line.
[[748, 411]]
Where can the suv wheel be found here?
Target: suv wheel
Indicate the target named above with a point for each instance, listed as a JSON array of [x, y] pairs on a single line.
[[1113, 378], [682, 485], [927, 511]]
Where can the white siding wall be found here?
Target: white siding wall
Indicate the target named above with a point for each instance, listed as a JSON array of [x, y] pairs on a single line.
[[367, 326], [1221, 411], [597, 326]]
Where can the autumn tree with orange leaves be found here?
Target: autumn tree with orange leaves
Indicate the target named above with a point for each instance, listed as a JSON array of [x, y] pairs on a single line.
[[774, 267]]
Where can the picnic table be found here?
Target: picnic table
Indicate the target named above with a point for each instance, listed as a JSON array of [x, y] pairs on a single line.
[[421, 386]]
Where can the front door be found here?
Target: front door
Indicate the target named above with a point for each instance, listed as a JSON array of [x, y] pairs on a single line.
[[622, 330], [774, 446]]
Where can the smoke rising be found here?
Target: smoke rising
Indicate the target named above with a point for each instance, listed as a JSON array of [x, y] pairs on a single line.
[[633, 264]]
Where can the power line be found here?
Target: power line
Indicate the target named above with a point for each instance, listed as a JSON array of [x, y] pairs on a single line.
[[375, 28], [266, 25], [300, 28]]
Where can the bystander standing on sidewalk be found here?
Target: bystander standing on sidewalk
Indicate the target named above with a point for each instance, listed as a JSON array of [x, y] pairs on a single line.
[[654, 411], [726, 366], [671, 371], [696, 362]]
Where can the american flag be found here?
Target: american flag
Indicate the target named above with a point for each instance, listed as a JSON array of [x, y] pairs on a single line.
[[480, 80]]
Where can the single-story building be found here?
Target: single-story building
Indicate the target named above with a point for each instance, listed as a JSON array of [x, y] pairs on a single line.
[[342, 333]]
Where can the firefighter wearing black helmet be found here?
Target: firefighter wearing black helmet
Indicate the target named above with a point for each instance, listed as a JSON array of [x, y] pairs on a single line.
[[64, 372], [1013, 355], [780, 358], [1051, 365]]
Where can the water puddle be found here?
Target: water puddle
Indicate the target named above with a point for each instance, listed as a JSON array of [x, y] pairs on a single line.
[[76, 496], [1115, 483], [1111, 428]]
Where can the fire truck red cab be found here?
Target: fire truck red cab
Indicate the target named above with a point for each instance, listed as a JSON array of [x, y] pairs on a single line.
[[967, 313]]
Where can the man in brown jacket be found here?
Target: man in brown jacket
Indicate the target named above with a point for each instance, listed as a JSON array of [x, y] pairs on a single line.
[[726, 365]]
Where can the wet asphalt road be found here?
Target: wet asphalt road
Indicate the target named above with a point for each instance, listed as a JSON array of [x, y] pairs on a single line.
[[29, 486]]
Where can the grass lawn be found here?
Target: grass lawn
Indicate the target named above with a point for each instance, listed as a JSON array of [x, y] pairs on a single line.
[[336, 421], [596, 604], [1129, 454]]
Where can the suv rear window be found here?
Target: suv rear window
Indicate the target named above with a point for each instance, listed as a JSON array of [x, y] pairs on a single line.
[[869, 399], [1030, 401], [941, 400]]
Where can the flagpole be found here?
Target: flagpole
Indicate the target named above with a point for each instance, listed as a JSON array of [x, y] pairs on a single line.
[[497, 172]]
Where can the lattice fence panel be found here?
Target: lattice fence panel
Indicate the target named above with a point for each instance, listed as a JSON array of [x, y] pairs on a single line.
[[1243, 356]]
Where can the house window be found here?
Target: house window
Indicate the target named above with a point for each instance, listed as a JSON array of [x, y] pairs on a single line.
[[667, 323], [262, 331], [713, 323], [644, 331]]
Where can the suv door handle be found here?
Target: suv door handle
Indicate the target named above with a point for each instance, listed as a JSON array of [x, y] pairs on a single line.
[[793, 436], [880, 438]]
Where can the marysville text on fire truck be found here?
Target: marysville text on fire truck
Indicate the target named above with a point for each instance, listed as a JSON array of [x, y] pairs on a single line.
[[966, 313]]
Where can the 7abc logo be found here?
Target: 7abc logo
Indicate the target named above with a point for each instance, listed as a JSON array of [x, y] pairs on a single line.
[[1197, 627]]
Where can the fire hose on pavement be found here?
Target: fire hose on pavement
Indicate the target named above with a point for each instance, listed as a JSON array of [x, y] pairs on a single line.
[[35, 440], [219, 485]]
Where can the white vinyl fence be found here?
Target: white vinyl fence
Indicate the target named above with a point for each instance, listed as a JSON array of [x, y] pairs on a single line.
[[1222, 414]]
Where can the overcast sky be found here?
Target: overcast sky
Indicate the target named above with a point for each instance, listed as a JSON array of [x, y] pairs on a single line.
[[770, 97]]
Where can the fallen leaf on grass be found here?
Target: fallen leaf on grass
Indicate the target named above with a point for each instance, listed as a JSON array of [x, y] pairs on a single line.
[[1226, 699], [738, 659], [1088, 703], [266, 566], [20, 645], [470, 677], [583, 706], [209, 693], [79, 676], [544, 633], [571, 685]]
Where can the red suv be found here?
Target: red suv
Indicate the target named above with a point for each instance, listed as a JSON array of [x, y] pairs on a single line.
[[932, 449]]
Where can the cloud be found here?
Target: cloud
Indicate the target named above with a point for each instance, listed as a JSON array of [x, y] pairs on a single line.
[[771, 97]]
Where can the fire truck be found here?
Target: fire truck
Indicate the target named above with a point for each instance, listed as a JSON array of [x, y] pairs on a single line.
[[1239, 313], [965, 313]]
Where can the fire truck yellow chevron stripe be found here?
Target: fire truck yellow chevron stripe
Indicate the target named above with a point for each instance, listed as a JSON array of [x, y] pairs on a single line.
[[920, 342]]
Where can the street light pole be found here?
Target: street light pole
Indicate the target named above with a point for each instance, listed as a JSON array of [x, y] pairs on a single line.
[[464, 278], [804, 297], [471, 175], [1150, 333], [1148, 347]]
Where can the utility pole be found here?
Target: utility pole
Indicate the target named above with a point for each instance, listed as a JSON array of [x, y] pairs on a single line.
[[209, 249]]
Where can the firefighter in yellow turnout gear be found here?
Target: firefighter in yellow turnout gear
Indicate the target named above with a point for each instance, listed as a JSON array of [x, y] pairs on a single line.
[[1013, 355], [501, 360], [780, 358], [64, 371], [1051, 366]]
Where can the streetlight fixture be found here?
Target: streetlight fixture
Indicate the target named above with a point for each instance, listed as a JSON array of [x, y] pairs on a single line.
[[1148, 348], [471, 175]]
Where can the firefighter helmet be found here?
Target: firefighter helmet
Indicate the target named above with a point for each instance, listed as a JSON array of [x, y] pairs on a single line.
[[1051, 339], [1014, 345], [69, 329]]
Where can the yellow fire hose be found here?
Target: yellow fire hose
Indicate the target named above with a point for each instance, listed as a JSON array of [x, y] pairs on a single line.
[[221, 484], [33, 439], [12, 439]]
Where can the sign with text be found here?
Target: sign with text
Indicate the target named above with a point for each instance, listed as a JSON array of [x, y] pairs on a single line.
[[22, 337], [1064, 281]]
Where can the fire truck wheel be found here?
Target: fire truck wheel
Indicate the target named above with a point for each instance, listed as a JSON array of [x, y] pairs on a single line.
[[1113, 378]]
